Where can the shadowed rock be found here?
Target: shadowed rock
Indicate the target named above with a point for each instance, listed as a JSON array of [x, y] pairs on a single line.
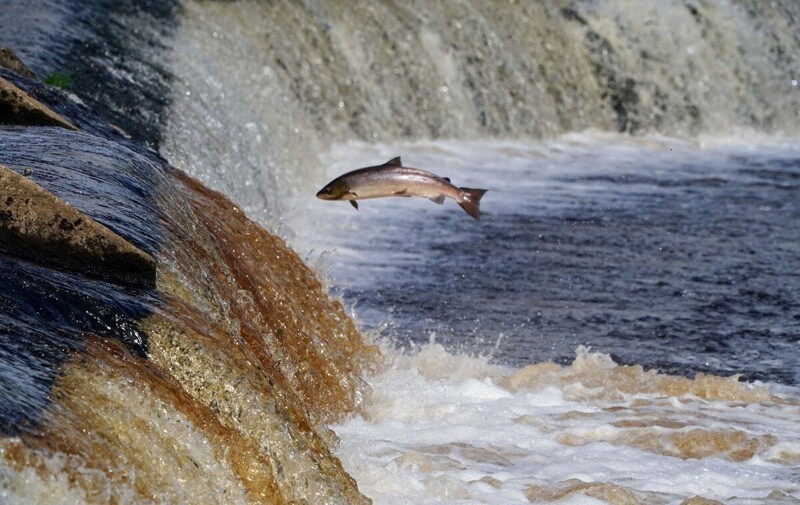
[[17, 107], [38, 226], [10, 61]]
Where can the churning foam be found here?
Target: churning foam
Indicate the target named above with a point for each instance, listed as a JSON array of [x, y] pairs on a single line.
[[442, 427]]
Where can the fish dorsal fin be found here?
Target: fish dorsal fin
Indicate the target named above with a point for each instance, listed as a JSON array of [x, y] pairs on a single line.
[[394, 162], [446, 179]]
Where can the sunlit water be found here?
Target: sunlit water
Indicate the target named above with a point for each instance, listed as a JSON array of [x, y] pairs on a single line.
[[676, 256]]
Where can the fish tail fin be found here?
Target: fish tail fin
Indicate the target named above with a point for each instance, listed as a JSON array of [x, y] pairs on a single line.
[[471, 201]]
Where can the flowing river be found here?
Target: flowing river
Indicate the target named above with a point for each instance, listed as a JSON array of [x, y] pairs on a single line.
[[621, 326]]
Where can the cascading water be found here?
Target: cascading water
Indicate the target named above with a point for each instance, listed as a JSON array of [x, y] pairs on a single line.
[[213, 386], [261, 87], [642, 164]]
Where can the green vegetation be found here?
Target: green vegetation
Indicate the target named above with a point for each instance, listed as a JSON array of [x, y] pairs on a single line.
[[58, 79]]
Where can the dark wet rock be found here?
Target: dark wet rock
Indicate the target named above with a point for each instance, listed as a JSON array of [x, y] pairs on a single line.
[[74, 111], [110, 50], [38, 226], [17, 107], [10, 61], [115, 183]]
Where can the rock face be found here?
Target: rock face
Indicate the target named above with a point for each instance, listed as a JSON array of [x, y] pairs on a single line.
[[10, 61], [38, 226], [16, 107]]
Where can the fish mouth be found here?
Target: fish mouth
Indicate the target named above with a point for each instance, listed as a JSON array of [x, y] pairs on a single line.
[[324, 194]]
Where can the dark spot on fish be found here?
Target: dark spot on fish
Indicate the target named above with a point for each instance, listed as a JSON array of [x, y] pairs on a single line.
[[9, 200]]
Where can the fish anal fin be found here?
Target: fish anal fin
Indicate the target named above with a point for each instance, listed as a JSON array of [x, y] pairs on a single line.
[[394, 162], [437, 199], [354, 204]]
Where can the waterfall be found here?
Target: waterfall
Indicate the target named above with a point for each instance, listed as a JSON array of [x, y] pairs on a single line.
[[200, 120], [261, 87]]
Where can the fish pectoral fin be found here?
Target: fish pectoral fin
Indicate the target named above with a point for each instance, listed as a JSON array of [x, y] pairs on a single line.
[[354, 204], [394, 162], [437, 199]]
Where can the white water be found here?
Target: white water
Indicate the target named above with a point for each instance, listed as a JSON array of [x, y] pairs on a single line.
[[445, 428]]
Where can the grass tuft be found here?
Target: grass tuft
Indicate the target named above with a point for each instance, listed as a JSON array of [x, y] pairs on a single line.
[[58, 79]]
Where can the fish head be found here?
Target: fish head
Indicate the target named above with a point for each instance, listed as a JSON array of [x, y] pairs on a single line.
[[335, 190]]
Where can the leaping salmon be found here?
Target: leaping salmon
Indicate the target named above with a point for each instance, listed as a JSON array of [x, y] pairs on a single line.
[[393, 179]]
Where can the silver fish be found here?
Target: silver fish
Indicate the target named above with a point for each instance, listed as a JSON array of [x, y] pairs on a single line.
[[393, 179]]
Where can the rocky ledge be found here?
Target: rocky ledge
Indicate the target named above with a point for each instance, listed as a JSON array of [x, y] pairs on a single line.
[[155, 345]]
